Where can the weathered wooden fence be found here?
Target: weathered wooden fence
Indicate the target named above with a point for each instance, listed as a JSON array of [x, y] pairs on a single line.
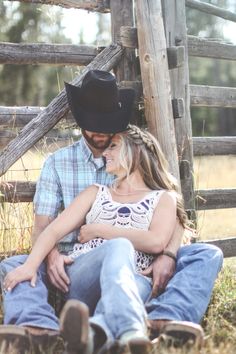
[[163, 49]]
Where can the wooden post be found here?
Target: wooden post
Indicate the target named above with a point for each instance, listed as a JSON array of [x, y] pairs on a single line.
[[176, 34], [122, 15], [155, 77]]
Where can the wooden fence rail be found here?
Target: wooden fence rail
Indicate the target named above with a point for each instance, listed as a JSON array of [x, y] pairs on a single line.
[[53, 54], [18, 117], [208, 48], [68, 54], [206, 199], [212, 96], [227, 245], [90, 5], [219, 145], [197, 46], [211, 9], [103, 6]]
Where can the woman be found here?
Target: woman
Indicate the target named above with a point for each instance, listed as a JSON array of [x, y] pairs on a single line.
[[138, 212]]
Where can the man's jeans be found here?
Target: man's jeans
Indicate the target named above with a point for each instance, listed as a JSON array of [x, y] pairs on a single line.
[[186, 297], [106, 273]]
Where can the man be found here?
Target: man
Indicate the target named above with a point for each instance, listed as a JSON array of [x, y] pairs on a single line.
[[187, 274]]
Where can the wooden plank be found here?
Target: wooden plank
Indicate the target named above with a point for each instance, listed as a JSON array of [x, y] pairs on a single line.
[[90, 5], [122, 15], [155, 77], [18, 117], [212, 96], [206, 48], [227, 245], [56, 110], [217, 145], [211, 9], [17, 191], [176, 36], [197, 47], [207, 199], [54, 135], [53, 54]]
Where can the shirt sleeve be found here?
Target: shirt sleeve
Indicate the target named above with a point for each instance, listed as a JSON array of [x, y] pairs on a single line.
[[48, 196]]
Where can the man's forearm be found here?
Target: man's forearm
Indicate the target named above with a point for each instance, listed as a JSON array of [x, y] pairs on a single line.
[[176, 238], [40, 223]]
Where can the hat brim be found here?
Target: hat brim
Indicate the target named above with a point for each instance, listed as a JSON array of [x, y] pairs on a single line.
[[106, 123]]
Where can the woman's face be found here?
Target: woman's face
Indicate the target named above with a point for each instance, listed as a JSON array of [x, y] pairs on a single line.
[[112, 155]]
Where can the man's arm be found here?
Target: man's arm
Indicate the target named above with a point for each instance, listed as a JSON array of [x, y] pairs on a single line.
[[163, 267], [55, 261]]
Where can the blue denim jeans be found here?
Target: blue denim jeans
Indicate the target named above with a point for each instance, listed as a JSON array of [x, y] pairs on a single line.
[[186, 297], [188, 292], [105, 275]]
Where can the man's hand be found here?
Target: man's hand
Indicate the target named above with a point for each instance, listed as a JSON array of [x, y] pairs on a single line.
[[56, 269], [161, 270]]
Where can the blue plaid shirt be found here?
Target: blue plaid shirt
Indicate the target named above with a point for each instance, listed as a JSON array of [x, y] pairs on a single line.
[[65, 174]]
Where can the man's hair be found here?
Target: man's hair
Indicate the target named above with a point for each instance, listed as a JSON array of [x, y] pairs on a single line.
[[141, 151]]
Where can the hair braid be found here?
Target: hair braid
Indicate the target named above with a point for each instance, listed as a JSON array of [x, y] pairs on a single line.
[[141, 137]]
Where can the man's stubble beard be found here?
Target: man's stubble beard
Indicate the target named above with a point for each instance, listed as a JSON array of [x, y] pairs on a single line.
[[96, 142]]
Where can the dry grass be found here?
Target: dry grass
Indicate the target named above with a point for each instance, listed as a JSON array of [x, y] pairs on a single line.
[[215, 172]]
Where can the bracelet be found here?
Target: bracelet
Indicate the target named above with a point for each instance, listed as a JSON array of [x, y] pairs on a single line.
[[169, 254]]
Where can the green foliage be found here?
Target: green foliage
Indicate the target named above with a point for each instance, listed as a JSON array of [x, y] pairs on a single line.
[[204, 71], [32, 85]]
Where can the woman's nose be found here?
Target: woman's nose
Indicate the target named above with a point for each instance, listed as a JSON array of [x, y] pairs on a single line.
[[104, 153]]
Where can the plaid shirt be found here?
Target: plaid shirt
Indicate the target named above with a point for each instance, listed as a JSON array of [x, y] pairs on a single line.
[[65, 174]]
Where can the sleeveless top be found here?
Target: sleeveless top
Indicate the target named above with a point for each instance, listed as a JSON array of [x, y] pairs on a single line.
[[136, 215]]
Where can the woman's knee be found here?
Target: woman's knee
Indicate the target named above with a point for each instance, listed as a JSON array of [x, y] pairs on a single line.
[[121, 243]]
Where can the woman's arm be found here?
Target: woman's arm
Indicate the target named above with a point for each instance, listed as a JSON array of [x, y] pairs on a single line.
[[153, 240], [70, 219]]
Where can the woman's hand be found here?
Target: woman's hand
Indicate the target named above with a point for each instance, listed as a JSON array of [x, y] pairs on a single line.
[[90, 231], [16, 276]]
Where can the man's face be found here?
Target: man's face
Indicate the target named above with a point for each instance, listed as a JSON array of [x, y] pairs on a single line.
[[97, 141]]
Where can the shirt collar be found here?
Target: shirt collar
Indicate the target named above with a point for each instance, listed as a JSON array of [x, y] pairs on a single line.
[[88, 156]]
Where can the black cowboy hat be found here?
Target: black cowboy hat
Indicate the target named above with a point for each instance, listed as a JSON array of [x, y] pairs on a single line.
[[99, 105]]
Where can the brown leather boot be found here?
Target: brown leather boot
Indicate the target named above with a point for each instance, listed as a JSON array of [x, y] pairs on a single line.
[[75, 328], [181, 333], [13, 339]]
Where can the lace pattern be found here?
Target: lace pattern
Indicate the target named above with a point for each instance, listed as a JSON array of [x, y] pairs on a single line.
[[130, 215]]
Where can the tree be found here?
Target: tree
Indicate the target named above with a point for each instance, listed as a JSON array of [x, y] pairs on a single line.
[[211, 121], [30, 84]]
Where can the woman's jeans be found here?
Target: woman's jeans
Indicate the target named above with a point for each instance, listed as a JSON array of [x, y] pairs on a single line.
[[105, 275], [186, 296]]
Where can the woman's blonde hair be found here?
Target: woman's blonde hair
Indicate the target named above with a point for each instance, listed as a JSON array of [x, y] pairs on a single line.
[[141, 151]]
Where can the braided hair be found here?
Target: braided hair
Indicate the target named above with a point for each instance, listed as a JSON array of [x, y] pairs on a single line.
[[141, 150]]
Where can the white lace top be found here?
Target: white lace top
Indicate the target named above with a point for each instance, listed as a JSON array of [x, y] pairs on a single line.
[[130, 215]]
